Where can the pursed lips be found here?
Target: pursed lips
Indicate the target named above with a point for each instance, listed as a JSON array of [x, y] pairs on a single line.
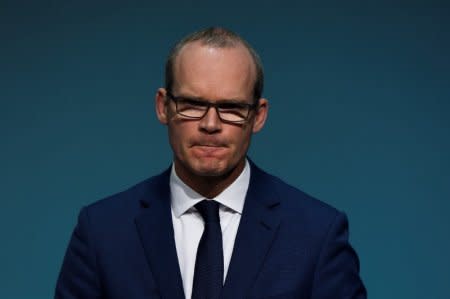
[[209, 144], [209, 149]]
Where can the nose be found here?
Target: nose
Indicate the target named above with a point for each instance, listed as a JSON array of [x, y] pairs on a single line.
[[211, 122]]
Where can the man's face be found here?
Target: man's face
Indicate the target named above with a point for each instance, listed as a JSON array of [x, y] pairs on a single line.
[[209, 147]]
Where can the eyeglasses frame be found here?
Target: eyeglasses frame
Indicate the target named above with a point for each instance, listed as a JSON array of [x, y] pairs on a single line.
[[210, 104]]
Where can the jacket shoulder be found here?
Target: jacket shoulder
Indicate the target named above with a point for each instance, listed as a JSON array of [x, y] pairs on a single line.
[[131, 199], [296, 198], [296, 206], [287, 193]]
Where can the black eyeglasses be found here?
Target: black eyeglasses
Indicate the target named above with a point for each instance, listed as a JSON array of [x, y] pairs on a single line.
[[228, 111]]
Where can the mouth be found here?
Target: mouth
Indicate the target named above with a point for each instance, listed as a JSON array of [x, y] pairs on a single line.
[[209, 150], [210, 143]]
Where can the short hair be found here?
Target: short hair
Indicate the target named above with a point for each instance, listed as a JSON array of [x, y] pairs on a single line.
[[217, 37]]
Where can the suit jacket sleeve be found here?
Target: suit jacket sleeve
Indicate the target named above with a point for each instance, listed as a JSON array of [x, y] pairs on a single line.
[[337, 273], [78, 277]]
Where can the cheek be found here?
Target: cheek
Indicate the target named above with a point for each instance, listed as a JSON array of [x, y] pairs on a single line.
[[178, 137], [242, 142], [174, 139]]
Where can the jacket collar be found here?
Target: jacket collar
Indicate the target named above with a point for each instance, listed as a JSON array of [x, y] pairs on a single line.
[[257, 229]]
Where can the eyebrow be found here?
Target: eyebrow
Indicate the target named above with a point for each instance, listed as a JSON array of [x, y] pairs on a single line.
[[221, 101]]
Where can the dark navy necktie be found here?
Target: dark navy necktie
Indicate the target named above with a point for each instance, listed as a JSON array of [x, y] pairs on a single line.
[[208, 273]]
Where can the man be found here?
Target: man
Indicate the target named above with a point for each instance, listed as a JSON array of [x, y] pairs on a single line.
[[213, 225]]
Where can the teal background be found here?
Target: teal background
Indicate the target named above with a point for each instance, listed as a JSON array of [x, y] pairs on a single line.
[[360, 102]]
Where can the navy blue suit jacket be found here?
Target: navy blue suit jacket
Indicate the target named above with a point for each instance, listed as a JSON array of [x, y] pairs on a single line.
[[288, 245]]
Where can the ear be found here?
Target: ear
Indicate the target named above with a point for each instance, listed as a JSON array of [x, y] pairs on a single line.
[[260, 115], [161, 106]]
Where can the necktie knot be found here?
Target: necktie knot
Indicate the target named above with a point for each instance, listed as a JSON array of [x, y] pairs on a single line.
[[209, 209]]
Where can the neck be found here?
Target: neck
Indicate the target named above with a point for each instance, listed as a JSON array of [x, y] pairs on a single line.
[[209, 186]]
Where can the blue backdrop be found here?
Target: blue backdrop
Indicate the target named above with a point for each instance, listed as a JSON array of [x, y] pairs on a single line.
[[360, 103]]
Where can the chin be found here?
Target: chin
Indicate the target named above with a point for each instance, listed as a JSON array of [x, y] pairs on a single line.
[[210, 169]]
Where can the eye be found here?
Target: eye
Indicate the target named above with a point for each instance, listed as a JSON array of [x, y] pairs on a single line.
[[237, 109], [191, 103]]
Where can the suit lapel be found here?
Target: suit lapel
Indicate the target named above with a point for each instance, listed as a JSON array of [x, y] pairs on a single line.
[[155, 229], [257, 229]]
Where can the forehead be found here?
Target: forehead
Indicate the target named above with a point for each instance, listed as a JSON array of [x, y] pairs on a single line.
[[212, 72]]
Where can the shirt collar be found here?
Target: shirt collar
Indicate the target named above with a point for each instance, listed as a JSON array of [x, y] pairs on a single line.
[[184, 197]]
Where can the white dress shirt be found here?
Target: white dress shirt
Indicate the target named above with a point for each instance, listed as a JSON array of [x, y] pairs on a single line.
[[188, 223]]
